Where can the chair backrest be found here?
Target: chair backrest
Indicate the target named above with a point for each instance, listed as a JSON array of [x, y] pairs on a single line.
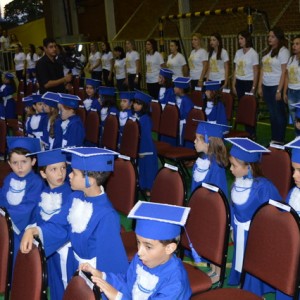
[[130, 139], [29, 88], [273, 247], [80, 93], [208, 225], [20, 105], [6, 252], [30, 274], [92, 124], [169, 121], [3, 133], [168, 186], [197, 98], [110, 134], [76, 82], [77, 289], [81, 112], [276, 166], [228, 103], [121, 186], [191, 124], [21, 86], [5, 170], [246, 111], [156, 112]]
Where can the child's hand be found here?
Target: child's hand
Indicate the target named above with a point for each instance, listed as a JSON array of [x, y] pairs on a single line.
[[27, 239], [88, 268], [109, 291], [208, 94]]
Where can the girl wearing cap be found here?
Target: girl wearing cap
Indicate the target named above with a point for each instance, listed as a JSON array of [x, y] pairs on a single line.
[[7, 89], [176, 61], [92, 101], [166, 91], [250, 189], [147, 161]]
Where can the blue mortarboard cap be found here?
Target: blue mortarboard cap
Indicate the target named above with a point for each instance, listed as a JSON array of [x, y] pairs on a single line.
[[107, 91], [69, 100], [182, 82], [51, 99], [297, 111], [9, 75], [28, 101], [167, 73], [93, 82], [92, 158], [212, 129], [246, 149], [295, 145], [28, 143], [50, 157], [158, 221], [36, 98], [139, 95], [212, 85], [127, 95]]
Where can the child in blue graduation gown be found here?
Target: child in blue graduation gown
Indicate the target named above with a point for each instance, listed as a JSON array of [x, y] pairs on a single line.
[[92, 99], [166, 92], [22, 187], [155, 272], [52, 165], [147, 161], [73, 132], [88, 219], [249, 191], [7, 90]]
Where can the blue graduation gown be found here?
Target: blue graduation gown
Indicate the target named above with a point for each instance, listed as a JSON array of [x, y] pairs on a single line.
[[105, 111], [216, 175], [6, 93], [148, 164], [37, 126], [50, 205], [241, 214], [92, 103], [19, 195], [166, 281], [168, 96], [73, 132], [93, 227], [123, 117], [184, 109], [217, 114]]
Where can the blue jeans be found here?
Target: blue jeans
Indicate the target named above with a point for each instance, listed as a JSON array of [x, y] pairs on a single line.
[[278, 118], [293, 98]]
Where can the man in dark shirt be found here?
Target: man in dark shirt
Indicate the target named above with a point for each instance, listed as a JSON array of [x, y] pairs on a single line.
[[49, 72]]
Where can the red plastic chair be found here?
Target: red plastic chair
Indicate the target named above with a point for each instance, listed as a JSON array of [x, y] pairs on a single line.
[[197, 98], [92, 123], [110, 133], [3, 133], [156, 112], [228, 103]]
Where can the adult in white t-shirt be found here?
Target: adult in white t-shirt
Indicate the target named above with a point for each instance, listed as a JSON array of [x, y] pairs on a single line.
[[176, 61], [94, 62], [198, 62], [218, 60], [19, 61], [120, 68], [107, 61], [133, 66], [31, 59], [154, 61], [271, 82]]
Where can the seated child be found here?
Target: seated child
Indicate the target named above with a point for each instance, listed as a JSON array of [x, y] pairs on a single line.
[[155, 272], [7, 90], [22, 187], [88, 219], [166, 92], [92, 98]]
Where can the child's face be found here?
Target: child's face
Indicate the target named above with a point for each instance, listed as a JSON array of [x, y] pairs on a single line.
[[199, 144], [77, 180], [161, 79], [89, 90], [209, 94], [297, 124], [55, 174], [125, 104], [178, 91], [65, 113], [152, 252], [237, 168], [39, 107], [21, 164], [296, 173], [137, 106], [46, 108]]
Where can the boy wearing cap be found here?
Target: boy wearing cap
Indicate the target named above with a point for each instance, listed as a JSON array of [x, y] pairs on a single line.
[[249, 191], [22, 187], [73, 132], [88, 219], [7, 89], [92, 99], [155, 272]]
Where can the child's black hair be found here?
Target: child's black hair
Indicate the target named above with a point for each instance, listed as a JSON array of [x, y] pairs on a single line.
[[100, 177], [145, 107], [108, 101], [20, 151]]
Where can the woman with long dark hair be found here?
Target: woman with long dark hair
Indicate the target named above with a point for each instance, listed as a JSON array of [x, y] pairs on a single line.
[[176, 61]]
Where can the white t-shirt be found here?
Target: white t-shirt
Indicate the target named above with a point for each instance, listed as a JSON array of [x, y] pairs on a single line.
[[176, 63], [31, 62], [106, 60], [196, 59], [153, 63], [217, 67], [4, 43], [244, 63], [94, 59], [131, 58], [119, 68], [20, 61], [272, 66], [293, 69]]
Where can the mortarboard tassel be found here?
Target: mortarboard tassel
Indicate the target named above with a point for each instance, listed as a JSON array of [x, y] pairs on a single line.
[[196, 257]]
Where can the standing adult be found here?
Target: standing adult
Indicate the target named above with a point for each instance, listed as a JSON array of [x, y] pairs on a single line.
[[31, 59], [197, 62], [133, 66], [107, 61], [271, 82], [49, 72], [94, 62], [154, 62], [176, 61], [19, 60], [120, 68], [4, 41]]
